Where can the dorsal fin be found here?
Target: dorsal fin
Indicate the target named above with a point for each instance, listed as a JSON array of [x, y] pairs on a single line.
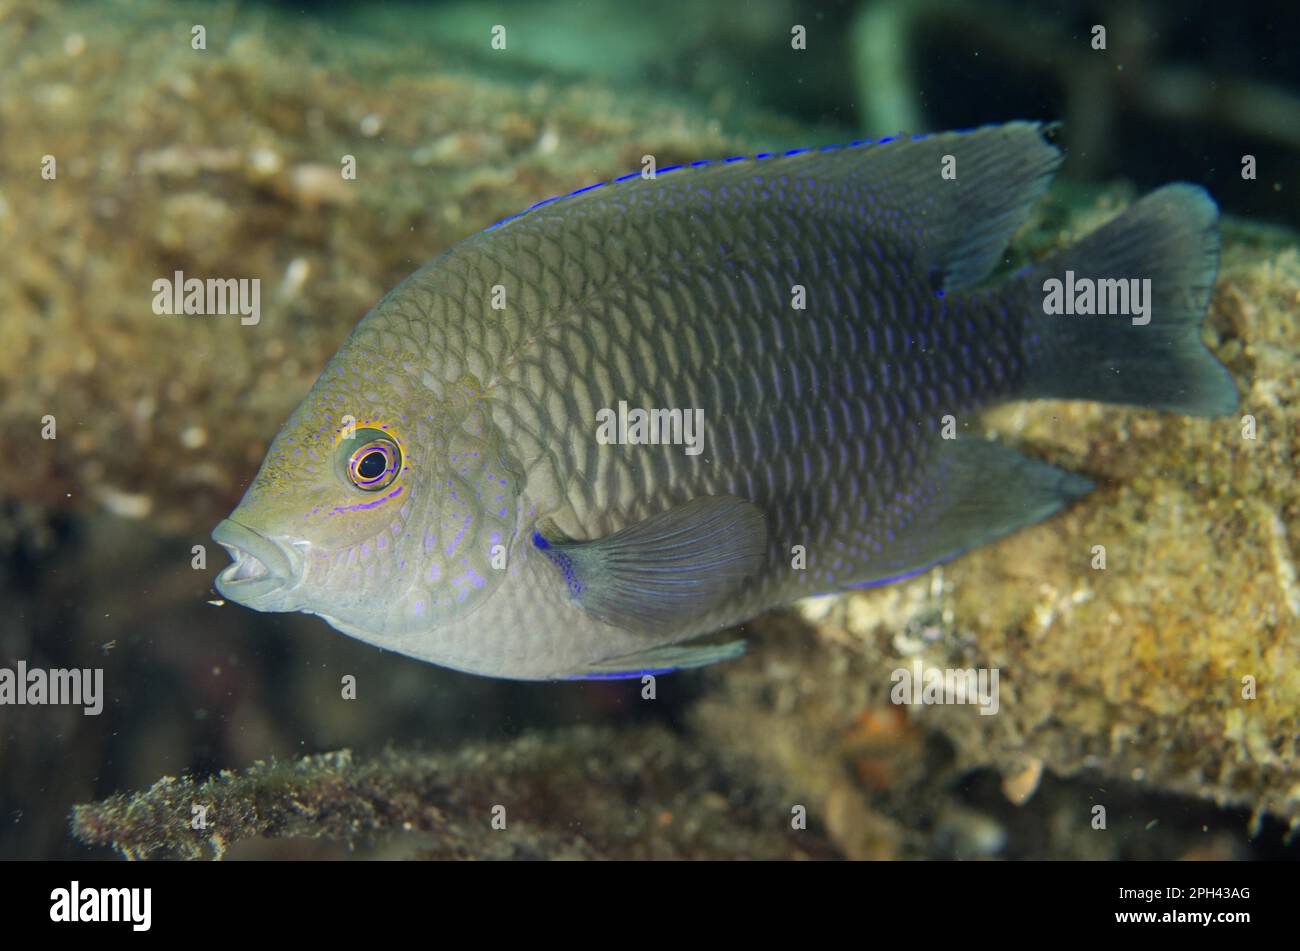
[[962, 223]]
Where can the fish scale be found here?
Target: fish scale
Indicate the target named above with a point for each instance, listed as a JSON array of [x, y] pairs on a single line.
[[625, 483], [511, 543]]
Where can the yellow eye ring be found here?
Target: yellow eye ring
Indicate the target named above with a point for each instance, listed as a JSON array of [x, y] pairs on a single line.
[[375, 464]]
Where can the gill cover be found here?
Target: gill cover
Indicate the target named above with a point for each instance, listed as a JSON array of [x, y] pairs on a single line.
[[467, 516]]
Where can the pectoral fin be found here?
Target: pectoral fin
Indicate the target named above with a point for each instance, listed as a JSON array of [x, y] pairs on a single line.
[[664, 570]]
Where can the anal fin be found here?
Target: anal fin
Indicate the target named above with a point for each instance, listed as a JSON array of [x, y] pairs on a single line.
[[661, 660], [977, 492]]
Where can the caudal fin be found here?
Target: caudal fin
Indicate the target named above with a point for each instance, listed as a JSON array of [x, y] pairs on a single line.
[[1155, 359]]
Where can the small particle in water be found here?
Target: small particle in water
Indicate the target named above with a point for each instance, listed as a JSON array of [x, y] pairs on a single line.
[[1021, 782], [295, 278], [128, 505], [193, 437]]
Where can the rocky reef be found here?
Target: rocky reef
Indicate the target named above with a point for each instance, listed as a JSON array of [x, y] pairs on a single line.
[[574, 794]]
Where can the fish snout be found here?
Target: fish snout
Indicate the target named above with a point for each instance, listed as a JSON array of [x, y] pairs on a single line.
[[261, 566]]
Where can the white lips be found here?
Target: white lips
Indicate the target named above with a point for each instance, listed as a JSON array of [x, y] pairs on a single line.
[[247, 567], [263, 568]]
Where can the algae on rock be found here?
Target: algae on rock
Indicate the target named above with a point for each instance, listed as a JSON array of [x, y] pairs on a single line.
[[581, 793]]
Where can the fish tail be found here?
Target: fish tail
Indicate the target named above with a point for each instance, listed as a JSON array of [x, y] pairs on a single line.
[[1160, 257]]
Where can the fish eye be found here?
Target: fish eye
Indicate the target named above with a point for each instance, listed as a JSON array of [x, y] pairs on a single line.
[[374, 464]]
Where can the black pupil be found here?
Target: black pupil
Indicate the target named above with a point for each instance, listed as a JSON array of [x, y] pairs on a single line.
[[372, 465]]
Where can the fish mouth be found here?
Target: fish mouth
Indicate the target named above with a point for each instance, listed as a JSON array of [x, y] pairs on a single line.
[[261, 566]]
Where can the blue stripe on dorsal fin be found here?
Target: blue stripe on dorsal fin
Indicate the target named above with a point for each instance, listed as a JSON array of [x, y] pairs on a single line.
[[958, 223], [700, 164]]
